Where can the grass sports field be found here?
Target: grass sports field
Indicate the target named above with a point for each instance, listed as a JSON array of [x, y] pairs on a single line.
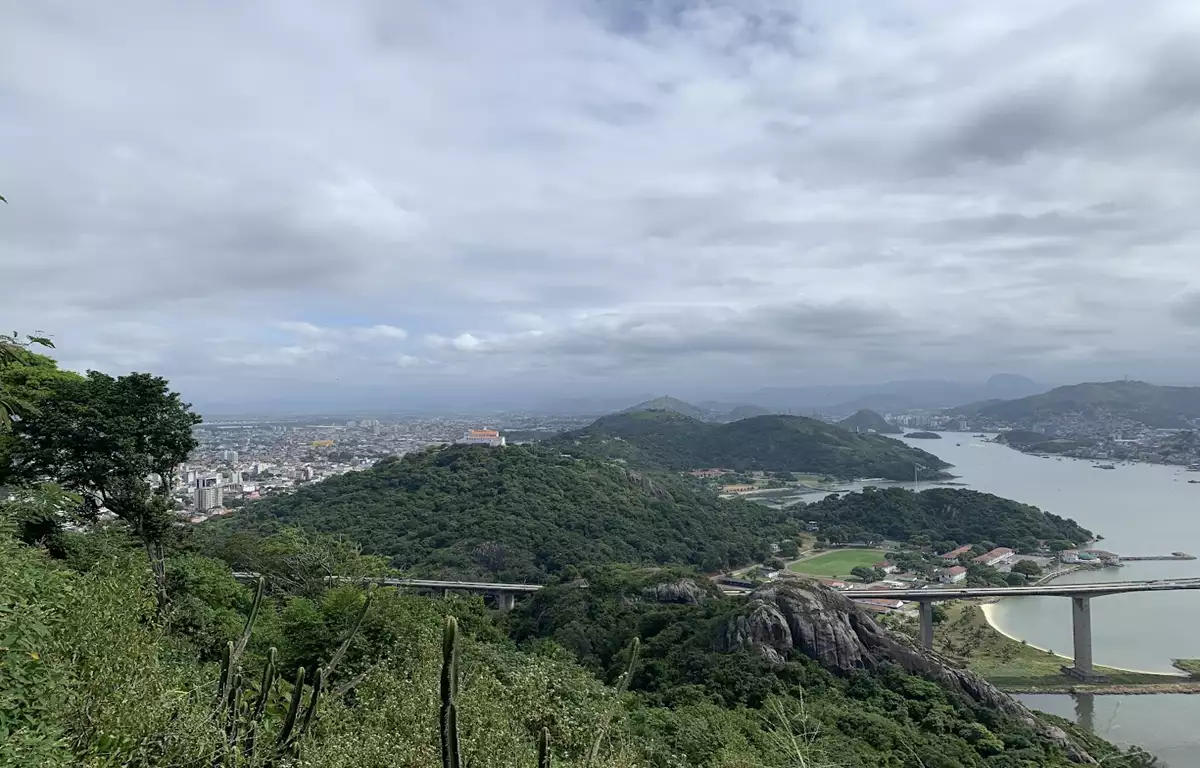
[[838, 562]]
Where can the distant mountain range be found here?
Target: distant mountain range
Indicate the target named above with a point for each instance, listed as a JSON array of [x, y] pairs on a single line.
[[896, 395], [666, 440], [1149, 404], [867, 420], [838, 400]]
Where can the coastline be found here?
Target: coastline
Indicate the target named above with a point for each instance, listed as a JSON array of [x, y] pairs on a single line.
[[987, 609]]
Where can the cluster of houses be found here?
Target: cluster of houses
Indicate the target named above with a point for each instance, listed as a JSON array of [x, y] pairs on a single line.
[[956, 573], [1090, 556]]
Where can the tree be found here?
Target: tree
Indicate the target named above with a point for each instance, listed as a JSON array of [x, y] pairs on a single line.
[[1015, 579], [104, 438], [14, 352], [789, 548], [1058, 545], [863, 573], [1027, 567]]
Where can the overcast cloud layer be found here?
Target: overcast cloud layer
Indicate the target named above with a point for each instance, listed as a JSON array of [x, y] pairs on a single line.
[[386, 201]]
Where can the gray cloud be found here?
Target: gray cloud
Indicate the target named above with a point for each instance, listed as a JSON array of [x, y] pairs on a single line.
[[600, 194]]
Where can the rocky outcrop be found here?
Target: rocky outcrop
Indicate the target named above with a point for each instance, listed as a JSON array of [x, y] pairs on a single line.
[[647, 484], [795, 614], [683, 591]]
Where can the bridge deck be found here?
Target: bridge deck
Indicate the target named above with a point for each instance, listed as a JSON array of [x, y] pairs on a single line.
[[1062, 590]]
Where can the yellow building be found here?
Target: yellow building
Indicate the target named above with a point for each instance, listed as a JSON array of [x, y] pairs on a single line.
[[322, 443]]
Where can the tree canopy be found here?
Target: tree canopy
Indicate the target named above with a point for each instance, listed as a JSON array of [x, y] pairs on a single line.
[[520, 513], [664, 440], [937, 514]]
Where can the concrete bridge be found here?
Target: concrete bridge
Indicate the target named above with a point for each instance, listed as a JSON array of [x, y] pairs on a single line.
[[1081, 607], [505, 594], [1080, 594]]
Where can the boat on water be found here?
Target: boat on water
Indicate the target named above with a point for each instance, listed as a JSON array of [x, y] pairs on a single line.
[[1104, 466]]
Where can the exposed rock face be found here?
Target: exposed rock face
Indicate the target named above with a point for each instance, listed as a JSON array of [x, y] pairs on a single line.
[[684, 591], [798, 614]]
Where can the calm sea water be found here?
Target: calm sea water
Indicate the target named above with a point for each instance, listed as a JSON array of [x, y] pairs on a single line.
[[1139, 509]]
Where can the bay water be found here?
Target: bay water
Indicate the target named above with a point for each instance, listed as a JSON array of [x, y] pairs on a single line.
[[1139, 509]]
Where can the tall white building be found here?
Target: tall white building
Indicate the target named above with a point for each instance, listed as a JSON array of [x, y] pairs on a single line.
[[230, 456], [482, 437], [208, 493]]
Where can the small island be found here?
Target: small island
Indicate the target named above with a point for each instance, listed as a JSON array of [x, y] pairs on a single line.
[[924, 435]]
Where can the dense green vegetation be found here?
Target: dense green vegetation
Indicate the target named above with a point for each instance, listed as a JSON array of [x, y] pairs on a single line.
[[923, 435], [939, 515], [520, 513], [664, 440], [91, 675], [866, 420], [1150, 404], [126, 643], [881, 717]]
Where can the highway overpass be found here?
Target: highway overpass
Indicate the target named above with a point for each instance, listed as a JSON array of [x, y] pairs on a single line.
[[1081, 607], [1080, 594]]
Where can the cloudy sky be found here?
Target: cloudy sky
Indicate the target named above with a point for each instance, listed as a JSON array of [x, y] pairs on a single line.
[[304, 201]]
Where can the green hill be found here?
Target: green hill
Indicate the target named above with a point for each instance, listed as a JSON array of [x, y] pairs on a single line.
[[519, 514], [867, 420], [747, 412], [658, 440], [939, 514], [1149, 404], [672, 405]]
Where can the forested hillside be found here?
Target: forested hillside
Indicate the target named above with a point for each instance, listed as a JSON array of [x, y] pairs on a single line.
[[1149, 404], [669, 441], [802, 662], [939, 514], [125, 644], [520, 514]]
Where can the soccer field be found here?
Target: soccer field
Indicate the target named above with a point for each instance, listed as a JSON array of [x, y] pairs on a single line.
[[838, 563]]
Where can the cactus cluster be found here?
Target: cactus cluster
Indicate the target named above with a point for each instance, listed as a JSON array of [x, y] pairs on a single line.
[[244, 714], [448, 714]]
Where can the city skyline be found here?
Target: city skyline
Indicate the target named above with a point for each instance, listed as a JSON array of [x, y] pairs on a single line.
[[366, 205]]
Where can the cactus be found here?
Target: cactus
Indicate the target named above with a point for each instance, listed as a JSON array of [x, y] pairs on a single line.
[[544, 748], [448, 720], [270, 673], [233, 652], [289, 721], [341, 651], [313, 699], [622, 684], [245, 720]]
